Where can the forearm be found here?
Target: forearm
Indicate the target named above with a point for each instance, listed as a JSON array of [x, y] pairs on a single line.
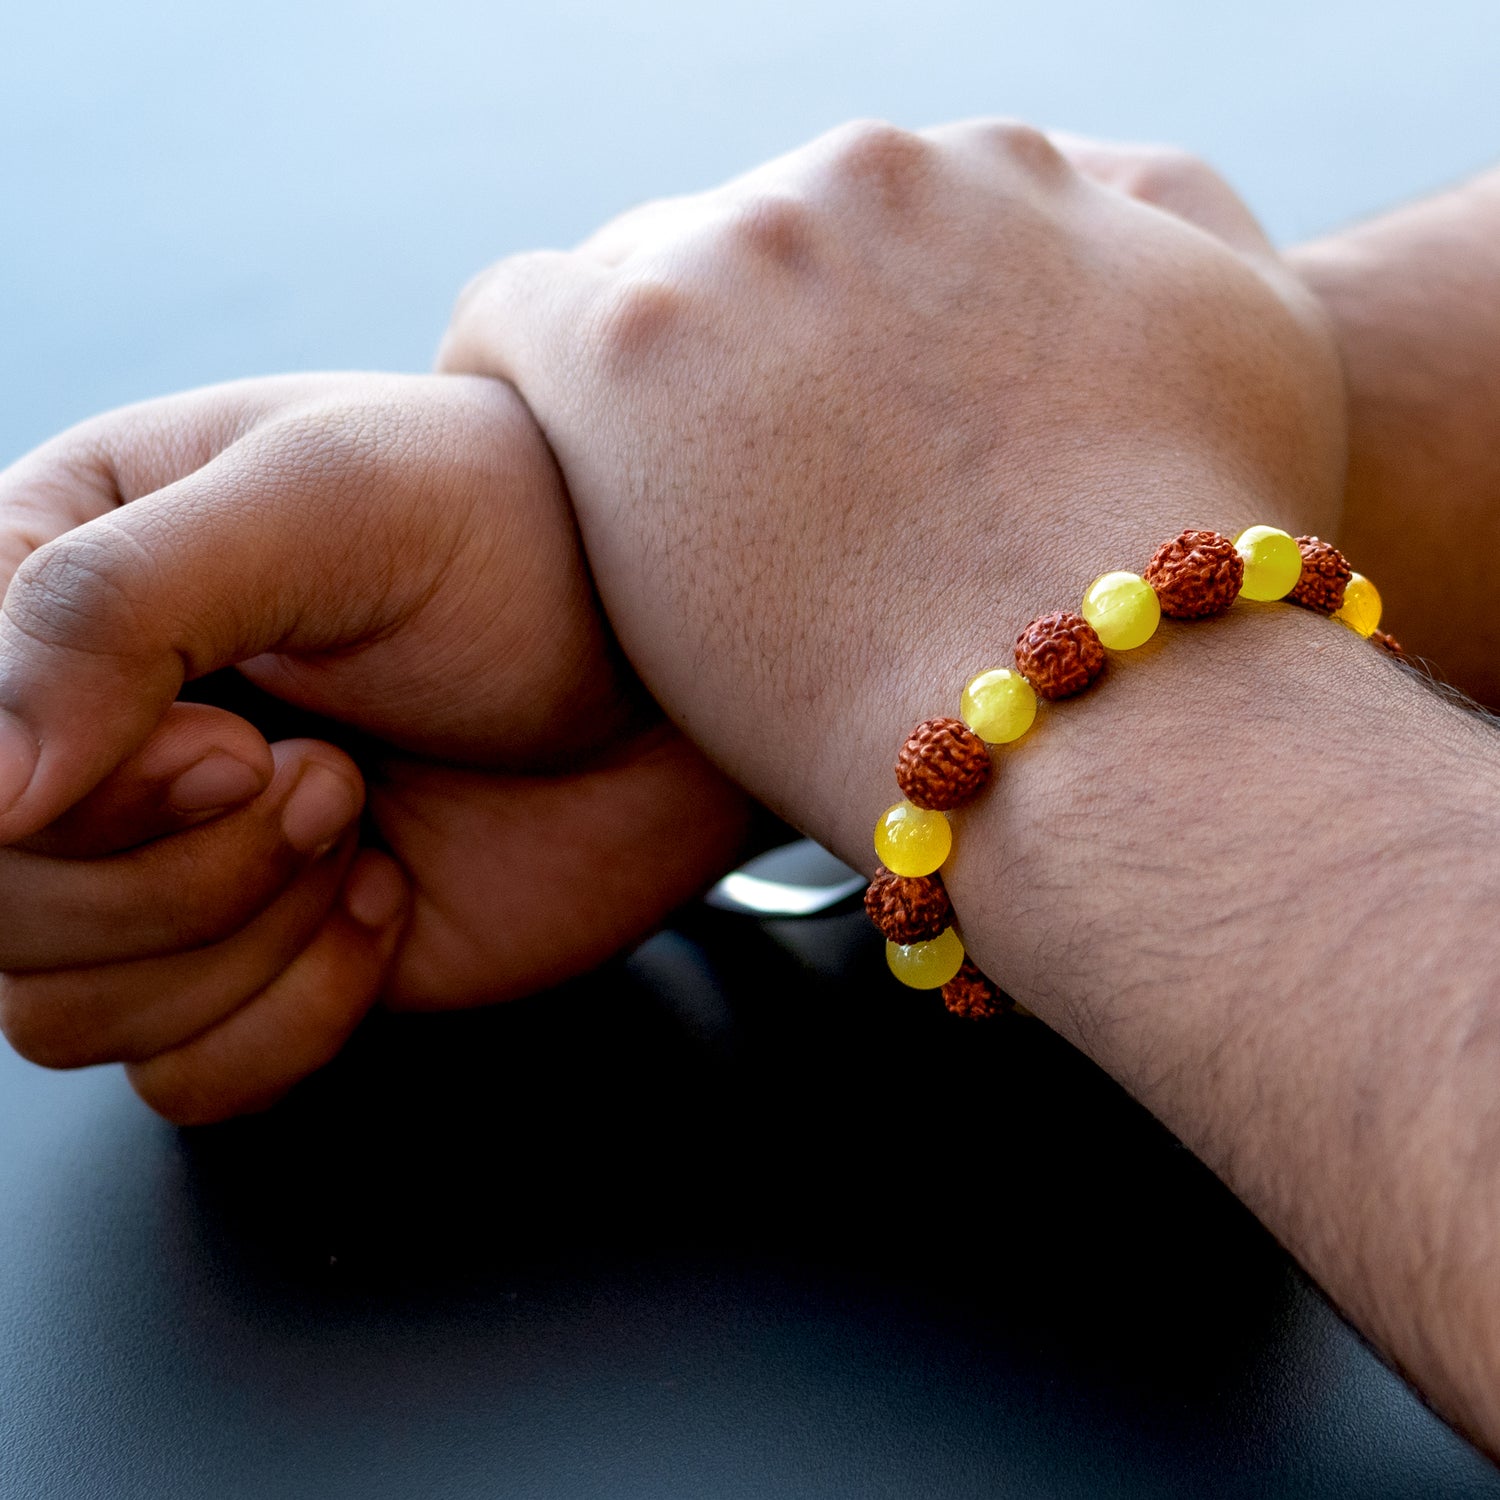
[[831, 442], [1255, 878], [1253, 873], [1415, 300]]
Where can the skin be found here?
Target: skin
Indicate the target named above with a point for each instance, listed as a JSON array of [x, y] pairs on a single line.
[[1415, 300], [844, 300], [835, 431], [769, 482], [396, 555]]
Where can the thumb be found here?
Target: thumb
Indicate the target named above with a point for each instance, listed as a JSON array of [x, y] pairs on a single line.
[[244, 553]]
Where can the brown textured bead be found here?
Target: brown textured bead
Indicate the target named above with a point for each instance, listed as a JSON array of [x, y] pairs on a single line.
[[942, 764], [971, 995], [1196, 574], [1324, 574], [1059, 654], [908, 908], [1388, 644]]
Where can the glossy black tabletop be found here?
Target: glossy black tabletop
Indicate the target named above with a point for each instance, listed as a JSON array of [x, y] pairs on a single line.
[[733, 1217], [730, 1219]]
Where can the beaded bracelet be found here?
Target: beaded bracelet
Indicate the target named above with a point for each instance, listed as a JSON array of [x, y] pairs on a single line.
[[946, 762]]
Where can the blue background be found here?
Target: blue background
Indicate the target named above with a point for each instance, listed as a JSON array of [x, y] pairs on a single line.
[[192, 192]]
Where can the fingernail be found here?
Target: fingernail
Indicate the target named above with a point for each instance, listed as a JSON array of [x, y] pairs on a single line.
[[17, 759], [321, 807], [218, 780], [374, 893]]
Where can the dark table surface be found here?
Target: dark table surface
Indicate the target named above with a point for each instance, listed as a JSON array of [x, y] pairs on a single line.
[[732, 1217]]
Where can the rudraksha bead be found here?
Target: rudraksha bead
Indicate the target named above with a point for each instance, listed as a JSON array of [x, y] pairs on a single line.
[[1195, 575], [971, 995], [942, 764], [1059, 654], [1389, 644], [1324, 574], [908, 908]]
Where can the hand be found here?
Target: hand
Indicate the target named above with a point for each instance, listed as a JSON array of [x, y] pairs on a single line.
[[1173, 180], [835, 429], [1411, 298], [397, 556], [1414, 297]]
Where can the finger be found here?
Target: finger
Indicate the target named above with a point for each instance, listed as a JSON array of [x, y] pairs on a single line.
[[187, 891], [128, 1012], [199, 762], [76, 479], [107, 462], [1170, 179], [248, 553], [297, 1023]]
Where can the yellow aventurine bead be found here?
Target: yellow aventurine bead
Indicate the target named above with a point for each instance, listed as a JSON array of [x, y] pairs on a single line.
[[1123, 609], [1361, 607], [1273, 563], [998, 705], [927, 966], [910, 840]]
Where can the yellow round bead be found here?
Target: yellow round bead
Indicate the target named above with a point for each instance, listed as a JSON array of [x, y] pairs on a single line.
[[1361, 607], [1273, 563], [998, 705], [910, 840], [1123, 609], [927, 966]]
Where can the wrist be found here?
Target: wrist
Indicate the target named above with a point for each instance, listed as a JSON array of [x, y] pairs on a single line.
[[1250, 872], [1218, 781]]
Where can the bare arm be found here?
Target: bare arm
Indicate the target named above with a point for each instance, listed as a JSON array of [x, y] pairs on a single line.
[[1415, 300], [1258, 883], [871, 409]]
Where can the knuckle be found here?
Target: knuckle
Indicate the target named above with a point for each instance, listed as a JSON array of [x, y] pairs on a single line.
[[877, 150], [1024, 144], [85, 591], [775, 227], [1005, 142], [636, 317], [1158, 170]]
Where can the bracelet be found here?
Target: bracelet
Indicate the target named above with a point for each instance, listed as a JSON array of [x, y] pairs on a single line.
[[946, 762]]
